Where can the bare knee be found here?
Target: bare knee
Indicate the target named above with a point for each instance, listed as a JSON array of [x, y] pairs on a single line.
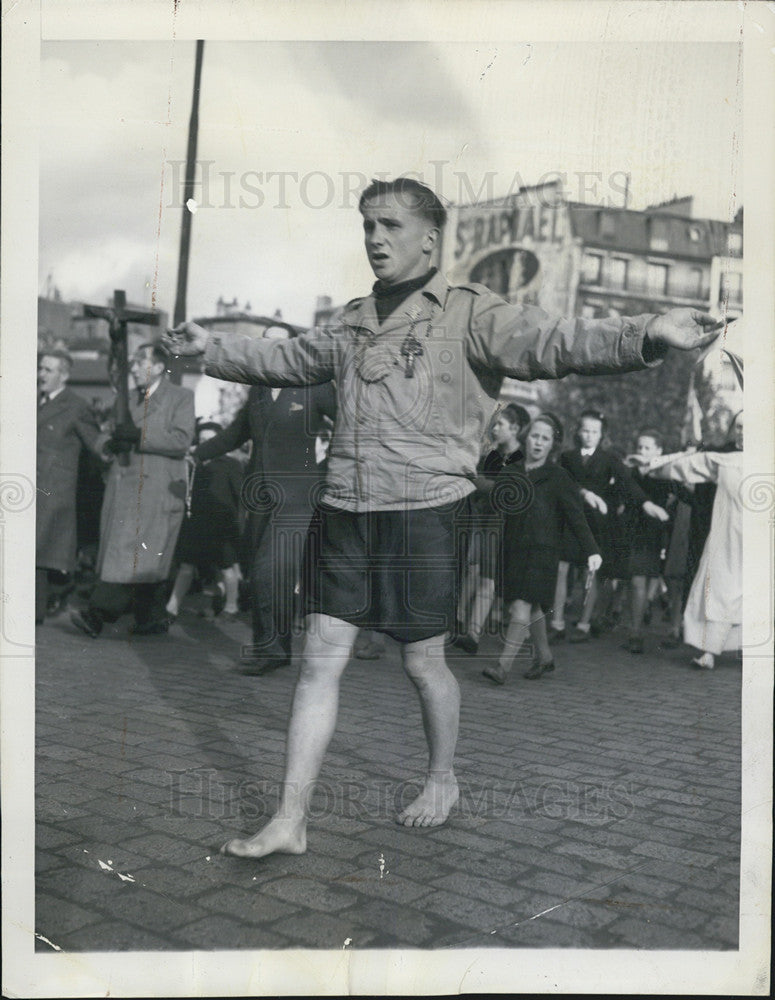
[[425, 664]]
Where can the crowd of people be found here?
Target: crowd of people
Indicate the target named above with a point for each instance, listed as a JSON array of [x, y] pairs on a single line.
[[620, 524], [389, 537]]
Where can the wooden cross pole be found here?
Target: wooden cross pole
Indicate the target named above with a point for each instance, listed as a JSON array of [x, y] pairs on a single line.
[[118, 316]]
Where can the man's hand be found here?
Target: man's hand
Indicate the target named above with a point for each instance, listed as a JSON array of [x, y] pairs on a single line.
[[186, 340], [685, 329], [654, 510], [594, 501], [594, 563], [114, 446], [127, 433], [636, 461]]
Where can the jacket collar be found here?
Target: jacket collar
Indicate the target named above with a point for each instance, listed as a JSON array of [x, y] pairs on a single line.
[[58, 402], [539, 473], [362, 313], [152, 401]]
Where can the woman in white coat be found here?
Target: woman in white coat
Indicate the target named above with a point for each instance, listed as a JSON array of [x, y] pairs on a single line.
[[714, 609]]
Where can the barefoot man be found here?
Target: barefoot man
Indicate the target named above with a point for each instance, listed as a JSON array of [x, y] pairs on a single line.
[[418, 367]]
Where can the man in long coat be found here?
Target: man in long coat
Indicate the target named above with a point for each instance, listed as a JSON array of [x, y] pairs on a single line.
[[66, 426], [144, 501]]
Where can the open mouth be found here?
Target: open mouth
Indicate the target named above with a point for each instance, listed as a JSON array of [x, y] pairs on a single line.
[[379, 258]]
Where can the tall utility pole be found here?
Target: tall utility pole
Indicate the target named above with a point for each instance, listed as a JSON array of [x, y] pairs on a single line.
[[188, 192]]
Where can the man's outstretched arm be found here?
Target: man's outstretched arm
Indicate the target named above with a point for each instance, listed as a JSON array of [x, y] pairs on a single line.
[[526, 343], [306, 360]]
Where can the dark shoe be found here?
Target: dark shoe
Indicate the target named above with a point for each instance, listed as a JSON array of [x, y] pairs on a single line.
[[538, 669], [495, 674], [260, 666], [635, 644], [159, 626], [219, 600], [468, 644], [579, 635], [87, 622], [671, 642], [555, 634], [454, 634], [230, 616]]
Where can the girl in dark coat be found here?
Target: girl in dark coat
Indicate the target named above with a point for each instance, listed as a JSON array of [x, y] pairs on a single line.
[[209, 538], [539, 500]]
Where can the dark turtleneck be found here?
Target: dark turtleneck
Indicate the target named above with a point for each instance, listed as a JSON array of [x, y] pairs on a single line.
[[387, 298]]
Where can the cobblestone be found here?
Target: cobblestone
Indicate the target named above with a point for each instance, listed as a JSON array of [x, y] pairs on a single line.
[[599, 809]]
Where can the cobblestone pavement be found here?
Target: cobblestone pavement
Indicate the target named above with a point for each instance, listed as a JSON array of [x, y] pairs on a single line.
[[600, 806]]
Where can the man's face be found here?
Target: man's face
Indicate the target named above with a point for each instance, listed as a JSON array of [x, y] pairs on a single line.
[[144, 370], [398, 240], [503, 431], [51, 374], [590, 432], [647, 447]]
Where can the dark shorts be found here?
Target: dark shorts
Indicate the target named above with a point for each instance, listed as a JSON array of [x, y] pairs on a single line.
[[645, 562], [390, 571]]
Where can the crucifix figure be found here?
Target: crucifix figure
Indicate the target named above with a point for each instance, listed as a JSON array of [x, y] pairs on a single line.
[[410, 349], [118, 316]]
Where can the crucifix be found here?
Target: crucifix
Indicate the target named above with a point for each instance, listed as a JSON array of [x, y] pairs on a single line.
[[118, 316]]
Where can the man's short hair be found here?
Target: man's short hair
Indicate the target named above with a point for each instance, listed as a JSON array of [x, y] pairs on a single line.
[[654, 434], [515, 414], [63, 357], [158, 354], [415, 196]]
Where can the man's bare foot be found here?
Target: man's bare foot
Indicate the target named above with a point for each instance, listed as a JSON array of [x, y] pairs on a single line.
[[279, 836], [432, 806]]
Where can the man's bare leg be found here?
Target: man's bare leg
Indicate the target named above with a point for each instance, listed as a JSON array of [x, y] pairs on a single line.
[[440, 705], [327, 646]]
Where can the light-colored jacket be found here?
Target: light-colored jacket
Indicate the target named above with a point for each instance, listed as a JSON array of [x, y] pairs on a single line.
[[145, 501], [415, 394]]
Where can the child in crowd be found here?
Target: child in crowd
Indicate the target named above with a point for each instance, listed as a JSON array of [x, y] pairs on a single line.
[[647, 537], [539, 500], [478, 589], [714, 611], [209, 537], [601, 477]]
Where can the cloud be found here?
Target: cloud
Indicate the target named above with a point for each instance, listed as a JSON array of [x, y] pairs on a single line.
[[330, 115]]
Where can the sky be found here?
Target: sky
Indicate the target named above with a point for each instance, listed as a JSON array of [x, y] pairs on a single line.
[[291, 131]]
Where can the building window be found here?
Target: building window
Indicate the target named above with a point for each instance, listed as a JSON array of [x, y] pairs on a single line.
[[607, 224], [617, 271], [658, 236], [735, 243], [656, 279], [732, 287], [694, 234], [694, 290], [591, 268]]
